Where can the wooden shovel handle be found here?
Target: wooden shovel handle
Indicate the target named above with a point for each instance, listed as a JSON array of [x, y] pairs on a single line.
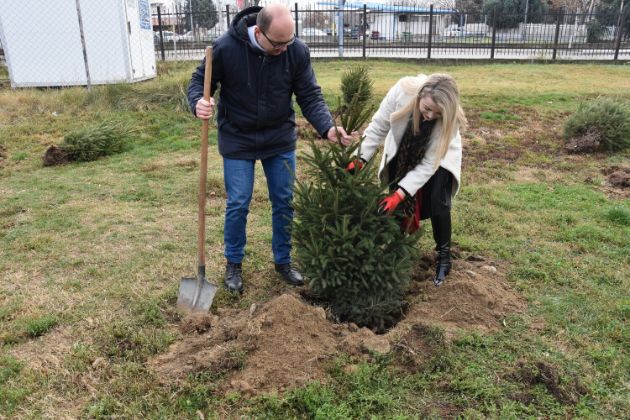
[[203, 170]]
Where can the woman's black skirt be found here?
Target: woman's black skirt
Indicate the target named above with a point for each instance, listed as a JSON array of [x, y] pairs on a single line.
[[436, 194]]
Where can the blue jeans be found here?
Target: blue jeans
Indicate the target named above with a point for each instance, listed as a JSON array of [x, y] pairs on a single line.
[[239, 185]]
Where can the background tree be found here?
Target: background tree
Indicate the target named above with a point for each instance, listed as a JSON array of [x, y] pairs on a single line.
[[608, 14], [201, 13], [512, 12], [313, 19]]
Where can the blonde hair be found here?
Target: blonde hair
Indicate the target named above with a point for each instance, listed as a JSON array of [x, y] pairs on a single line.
[[444, 91]]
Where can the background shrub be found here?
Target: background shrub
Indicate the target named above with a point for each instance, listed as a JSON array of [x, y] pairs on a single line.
[[603, 119], [91, 143]]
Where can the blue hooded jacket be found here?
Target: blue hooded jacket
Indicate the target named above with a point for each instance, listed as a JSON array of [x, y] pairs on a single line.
[[255, 110]]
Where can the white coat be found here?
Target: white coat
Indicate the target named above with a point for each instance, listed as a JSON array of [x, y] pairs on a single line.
[[381, 129]]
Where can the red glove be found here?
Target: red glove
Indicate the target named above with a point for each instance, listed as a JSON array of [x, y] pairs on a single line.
[[389, 203], [355, 166]]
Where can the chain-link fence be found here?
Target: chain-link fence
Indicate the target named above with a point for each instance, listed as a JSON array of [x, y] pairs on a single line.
[[77, 42], [356, 30]]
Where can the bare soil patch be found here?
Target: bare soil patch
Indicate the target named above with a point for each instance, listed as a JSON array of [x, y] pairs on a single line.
[[566, 390], [57, 344], [509, 141], [286, 342], [618, 181]]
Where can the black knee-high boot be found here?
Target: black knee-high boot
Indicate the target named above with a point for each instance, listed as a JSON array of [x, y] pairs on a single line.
[[442, 234]]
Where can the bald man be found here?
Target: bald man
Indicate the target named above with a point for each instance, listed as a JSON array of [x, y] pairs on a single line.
[[259, 65]]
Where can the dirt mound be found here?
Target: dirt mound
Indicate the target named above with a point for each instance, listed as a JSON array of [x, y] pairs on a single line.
[[620, 178], [286, 342], [282, 344], [474, 297]]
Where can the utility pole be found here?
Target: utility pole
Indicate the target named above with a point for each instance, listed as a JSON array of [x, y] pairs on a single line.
[[192, 28], [525, 20], [340, 25]]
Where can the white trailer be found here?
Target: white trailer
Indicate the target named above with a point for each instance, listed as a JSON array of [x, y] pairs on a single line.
[[77, 42]]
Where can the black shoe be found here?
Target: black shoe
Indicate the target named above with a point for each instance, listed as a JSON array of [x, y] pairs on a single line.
[[443, 264], [290, 274], [233, 277]]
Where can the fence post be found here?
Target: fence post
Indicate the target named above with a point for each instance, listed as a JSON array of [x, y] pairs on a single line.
[[227, 17], [85, 57], [364, 27], [494, 32], [430, 31], [556, 37], [619, 31], [297, 25], [340, 26], [161, 33]]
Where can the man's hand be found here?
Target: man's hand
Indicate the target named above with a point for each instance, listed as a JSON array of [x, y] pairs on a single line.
[[344, 139], [389, 203], [355, 166], [204, 109]]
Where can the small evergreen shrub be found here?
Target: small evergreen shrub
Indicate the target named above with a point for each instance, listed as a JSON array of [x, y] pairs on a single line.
[[600, 124], [354, 259], [90, 143]]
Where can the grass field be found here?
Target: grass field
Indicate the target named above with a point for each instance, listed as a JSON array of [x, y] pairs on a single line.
[[91, 255]]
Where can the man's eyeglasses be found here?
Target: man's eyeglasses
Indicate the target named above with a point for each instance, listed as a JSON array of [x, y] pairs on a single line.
[[278, 45]]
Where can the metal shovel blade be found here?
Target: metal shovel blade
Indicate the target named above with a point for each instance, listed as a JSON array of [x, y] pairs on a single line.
[[195, 294]]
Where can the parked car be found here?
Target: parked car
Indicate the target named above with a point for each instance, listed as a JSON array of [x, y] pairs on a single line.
[[313, 32], [455, 32], [188, 36], [355, 32], [168, 36]]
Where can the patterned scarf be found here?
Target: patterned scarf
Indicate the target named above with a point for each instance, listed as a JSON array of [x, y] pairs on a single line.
[[412, 148]]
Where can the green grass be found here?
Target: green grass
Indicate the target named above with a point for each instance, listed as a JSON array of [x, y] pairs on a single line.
[[91, 255]]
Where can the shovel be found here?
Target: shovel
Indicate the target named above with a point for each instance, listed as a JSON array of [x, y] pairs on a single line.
[[196, 294]]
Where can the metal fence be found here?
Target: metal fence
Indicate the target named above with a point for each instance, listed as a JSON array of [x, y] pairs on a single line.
[[415, 32], [411, 32]]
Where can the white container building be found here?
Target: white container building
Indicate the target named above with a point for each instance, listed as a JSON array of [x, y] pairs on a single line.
[[77, 42]]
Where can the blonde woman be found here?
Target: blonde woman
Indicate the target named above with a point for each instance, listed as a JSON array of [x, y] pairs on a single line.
[[419, 122]]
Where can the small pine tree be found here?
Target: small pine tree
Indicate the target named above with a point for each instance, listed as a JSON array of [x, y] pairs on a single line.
[[356, 82], [90, 143], [357, 261], [604, 119], [354, 108]]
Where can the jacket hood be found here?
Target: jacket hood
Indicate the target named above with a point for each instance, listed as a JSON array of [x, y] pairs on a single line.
[[244, 19]]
